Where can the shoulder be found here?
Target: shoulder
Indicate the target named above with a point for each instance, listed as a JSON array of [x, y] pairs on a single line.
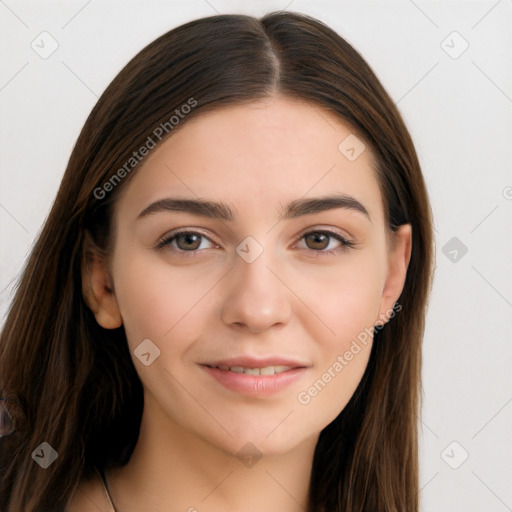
[[90, 496]]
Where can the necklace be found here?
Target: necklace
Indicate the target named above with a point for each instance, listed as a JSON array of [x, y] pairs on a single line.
[[107, 490]]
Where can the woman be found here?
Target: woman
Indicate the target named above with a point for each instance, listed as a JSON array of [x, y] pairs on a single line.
[[225, 307]]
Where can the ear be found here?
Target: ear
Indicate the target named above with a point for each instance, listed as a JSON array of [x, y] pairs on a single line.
[[399, 255], [97, 287]]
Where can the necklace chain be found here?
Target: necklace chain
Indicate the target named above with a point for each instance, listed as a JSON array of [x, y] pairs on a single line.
[[109, 494]]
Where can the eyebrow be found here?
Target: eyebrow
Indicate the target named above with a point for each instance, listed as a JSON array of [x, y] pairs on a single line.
[[223, 211]]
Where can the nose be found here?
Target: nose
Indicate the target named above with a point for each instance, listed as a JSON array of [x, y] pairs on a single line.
[[256, 298]]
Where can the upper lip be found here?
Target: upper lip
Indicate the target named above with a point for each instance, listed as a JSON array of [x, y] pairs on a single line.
[[257, 362]]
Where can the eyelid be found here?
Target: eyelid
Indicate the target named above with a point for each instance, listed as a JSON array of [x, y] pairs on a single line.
[[326, 229]]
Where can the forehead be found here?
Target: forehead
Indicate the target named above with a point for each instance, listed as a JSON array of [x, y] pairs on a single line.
[[260, 154]]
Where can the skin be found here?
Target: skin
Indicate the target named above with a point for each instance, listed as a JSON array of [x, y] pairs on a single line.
[[290, 301]]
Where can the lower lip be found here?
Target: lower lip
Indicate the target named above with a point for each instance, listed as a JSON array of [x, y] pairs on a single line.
[[255, 385]]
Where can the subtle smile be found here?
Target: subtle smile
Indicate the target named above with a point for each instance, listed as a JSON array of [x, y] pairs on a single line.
[[252, 378]]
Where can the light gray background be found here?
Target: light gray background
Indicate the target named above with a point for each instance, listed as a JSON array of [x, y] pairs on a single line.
[[459, 113]]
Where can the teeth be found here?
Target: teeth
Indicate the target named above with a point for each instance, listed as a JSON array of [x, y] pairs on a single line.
[[268, 370]]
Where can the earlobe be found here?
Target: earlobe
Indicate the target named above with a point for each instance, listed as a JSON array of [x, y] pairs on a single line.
[[399, 256], [97, 288]]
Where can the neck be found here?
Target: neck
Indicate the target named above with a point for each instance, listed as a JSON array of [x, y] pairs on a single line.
[[172, 468]]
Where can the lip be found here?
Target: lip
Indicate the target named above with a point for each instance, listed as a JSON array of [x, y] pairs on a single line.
[[255, 385], [258, 362]]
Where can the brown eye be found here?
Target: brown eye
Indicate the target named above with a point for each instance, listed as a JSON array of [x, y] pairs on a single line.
[[317, 241], [325, 242], [188, 241]]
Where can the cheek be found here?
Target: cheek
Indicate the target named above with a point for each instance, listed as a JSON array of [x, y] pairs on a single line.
[[344, 298], [347, 300], [157, 301]]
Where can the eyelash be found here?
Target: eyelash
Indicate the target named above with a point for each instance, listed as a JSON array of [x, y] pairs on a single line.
[[345, 244]]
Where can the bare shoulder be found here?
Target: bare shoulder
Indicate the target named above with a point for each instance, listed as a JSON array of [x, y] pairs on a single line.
[[89, 497]]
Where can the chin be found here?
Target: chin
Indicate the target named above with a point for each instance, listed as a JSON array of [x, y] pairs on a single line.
[[250, 441]]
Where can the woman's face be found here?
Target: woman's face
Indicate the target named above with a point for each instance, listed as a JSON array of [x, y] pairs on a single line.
[[271, 273]]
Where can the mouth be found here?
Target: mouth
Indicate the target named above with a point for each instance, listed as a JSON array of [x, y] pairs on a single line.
[[256, 378], [267, 370]]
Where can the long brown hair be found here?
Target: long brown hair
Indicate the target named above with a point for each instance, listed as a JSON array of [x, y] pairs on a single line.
[[74, 382]]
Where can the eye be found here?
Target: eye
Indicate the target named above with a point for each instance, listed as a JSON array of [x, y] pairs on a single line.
[[185, 241], [318, 241], [326, 242]]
